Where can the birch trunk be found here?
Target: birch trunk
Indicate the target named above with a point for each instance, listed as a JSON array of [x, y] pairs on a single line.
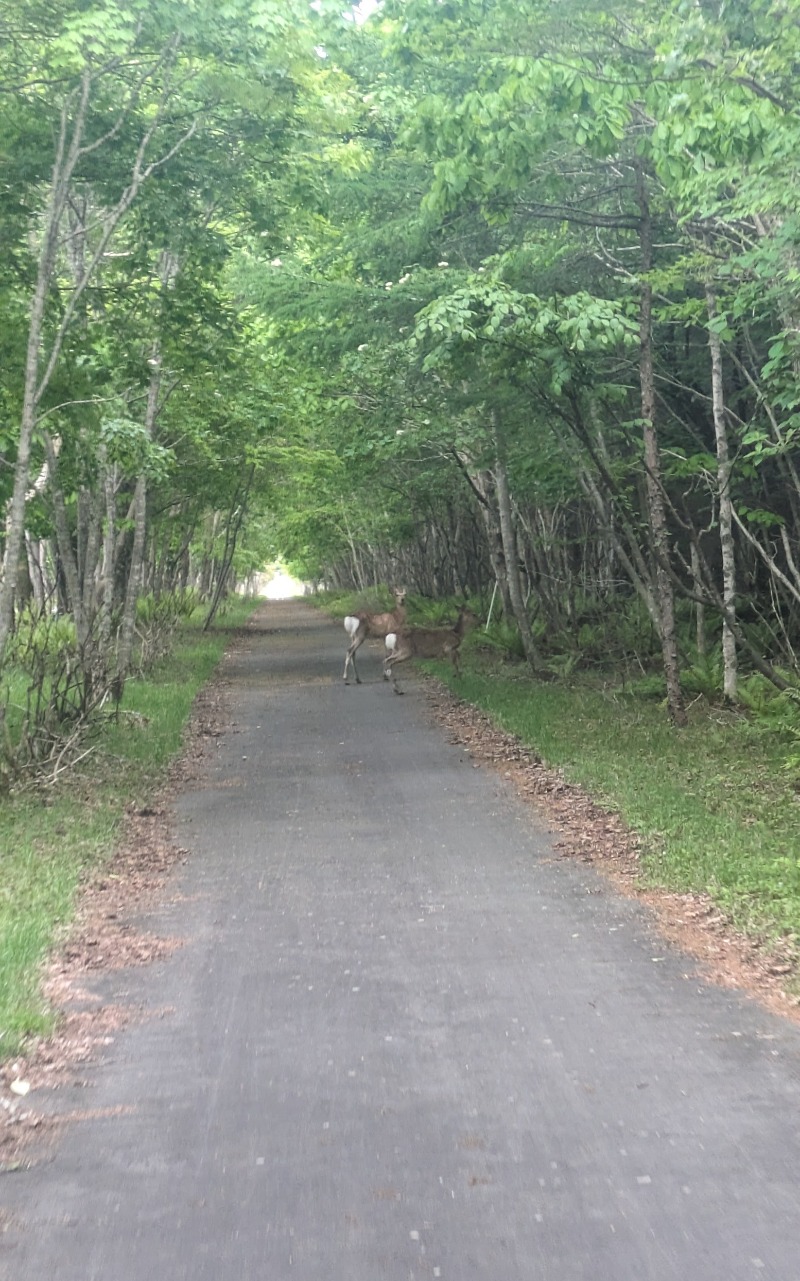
[[510, 552], [134, 583], [484, 485], [107, 572], [66, 551], [700, 609], [665, 596], [724, 467], [68, 149]]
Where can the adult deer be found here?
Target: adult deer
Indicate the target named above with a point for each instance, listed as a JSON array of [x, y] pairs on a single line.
[[428, 642], [360, 626]]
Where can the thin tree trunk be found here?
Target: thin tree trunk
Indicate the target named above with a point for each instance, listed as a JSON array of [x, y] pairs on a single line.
[[66, 550], [39, 371], [107, 573], [700, 609], [34, 549], [729, 658], [665, 595], [67, 153], [133, 587], [485, 485], [509, 536], [231, 536], [637, 572]]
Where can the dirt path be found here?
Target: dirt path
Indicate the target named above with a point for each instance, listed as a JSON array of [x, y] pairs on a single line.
[[389, 1028]]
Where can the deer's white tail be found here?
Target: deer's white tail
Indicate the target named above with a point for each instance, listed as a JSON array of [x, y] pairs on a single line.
[[427, 642], [360, 626]]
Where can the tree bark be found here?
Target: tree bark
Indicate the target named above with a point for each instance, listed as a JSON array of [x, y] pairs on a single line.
[[485, 486], [66, 551], [232, 530], [39, 368], [133, 586], [724, 468], [511, 554], [665, 596], [68, 150], [700, 609]]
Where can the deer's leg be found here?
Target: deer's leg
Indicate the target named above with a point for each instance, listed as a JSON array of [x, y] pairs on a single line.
[[388, 665], [391, 645], [350, 658]]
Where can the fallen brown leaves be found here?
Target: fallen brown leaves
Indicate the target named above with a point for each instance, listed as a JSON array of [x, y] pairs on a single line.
[[693, 923]]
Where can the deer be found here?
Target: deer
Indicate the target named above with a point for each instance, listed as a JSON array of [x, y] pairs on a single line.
[[360, 626], [428, 642]]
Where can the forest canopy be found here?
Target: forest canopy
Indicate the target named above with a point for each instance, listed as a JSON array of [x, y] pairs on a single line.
[[480, 297]]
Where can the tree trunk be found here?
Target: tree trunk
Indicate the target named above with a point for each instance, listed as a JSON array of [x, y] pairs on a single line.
[[509, 537], [133, 586], [232, 531], [633, 563], [665, 596], [724, 467], [700, 609], [485, 487], [108, 571], [66, 550], [67, 153]]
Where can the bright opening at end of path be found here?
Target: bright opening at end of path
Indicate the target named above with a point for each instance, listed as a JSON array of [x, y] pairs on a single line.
[[283, 586]]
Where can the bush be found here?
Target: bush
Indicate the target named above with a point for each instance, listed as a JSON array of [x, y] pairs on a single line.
[[156, 620]]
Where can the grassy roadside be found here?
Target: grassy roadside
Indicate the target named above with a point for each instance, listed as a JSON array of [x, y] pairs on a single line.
[[50, 838], [716, 808]]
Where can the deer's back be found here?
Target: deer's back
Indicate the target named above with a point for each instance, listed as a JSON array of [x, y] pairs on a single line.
[[382, 624], [430, 642]]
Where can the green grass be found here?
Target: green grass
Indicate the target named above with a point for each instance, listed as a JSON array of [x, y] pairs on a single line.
[[714, 804], [50, 839]]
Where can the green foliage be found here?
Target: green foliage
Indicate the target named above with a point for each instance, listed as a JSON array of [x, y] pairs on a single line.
[[503, 637], [169, 609], [704, 675], [41, 640]]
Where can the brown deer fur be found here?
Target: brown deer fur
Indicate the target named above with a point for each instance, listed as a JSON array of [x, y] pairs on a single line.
[[429, 642], [360, 626]]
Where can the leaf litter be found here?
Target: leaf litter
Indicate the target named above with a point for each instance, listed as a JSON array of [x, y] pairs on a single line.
[[103, 937], [691, 922]]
